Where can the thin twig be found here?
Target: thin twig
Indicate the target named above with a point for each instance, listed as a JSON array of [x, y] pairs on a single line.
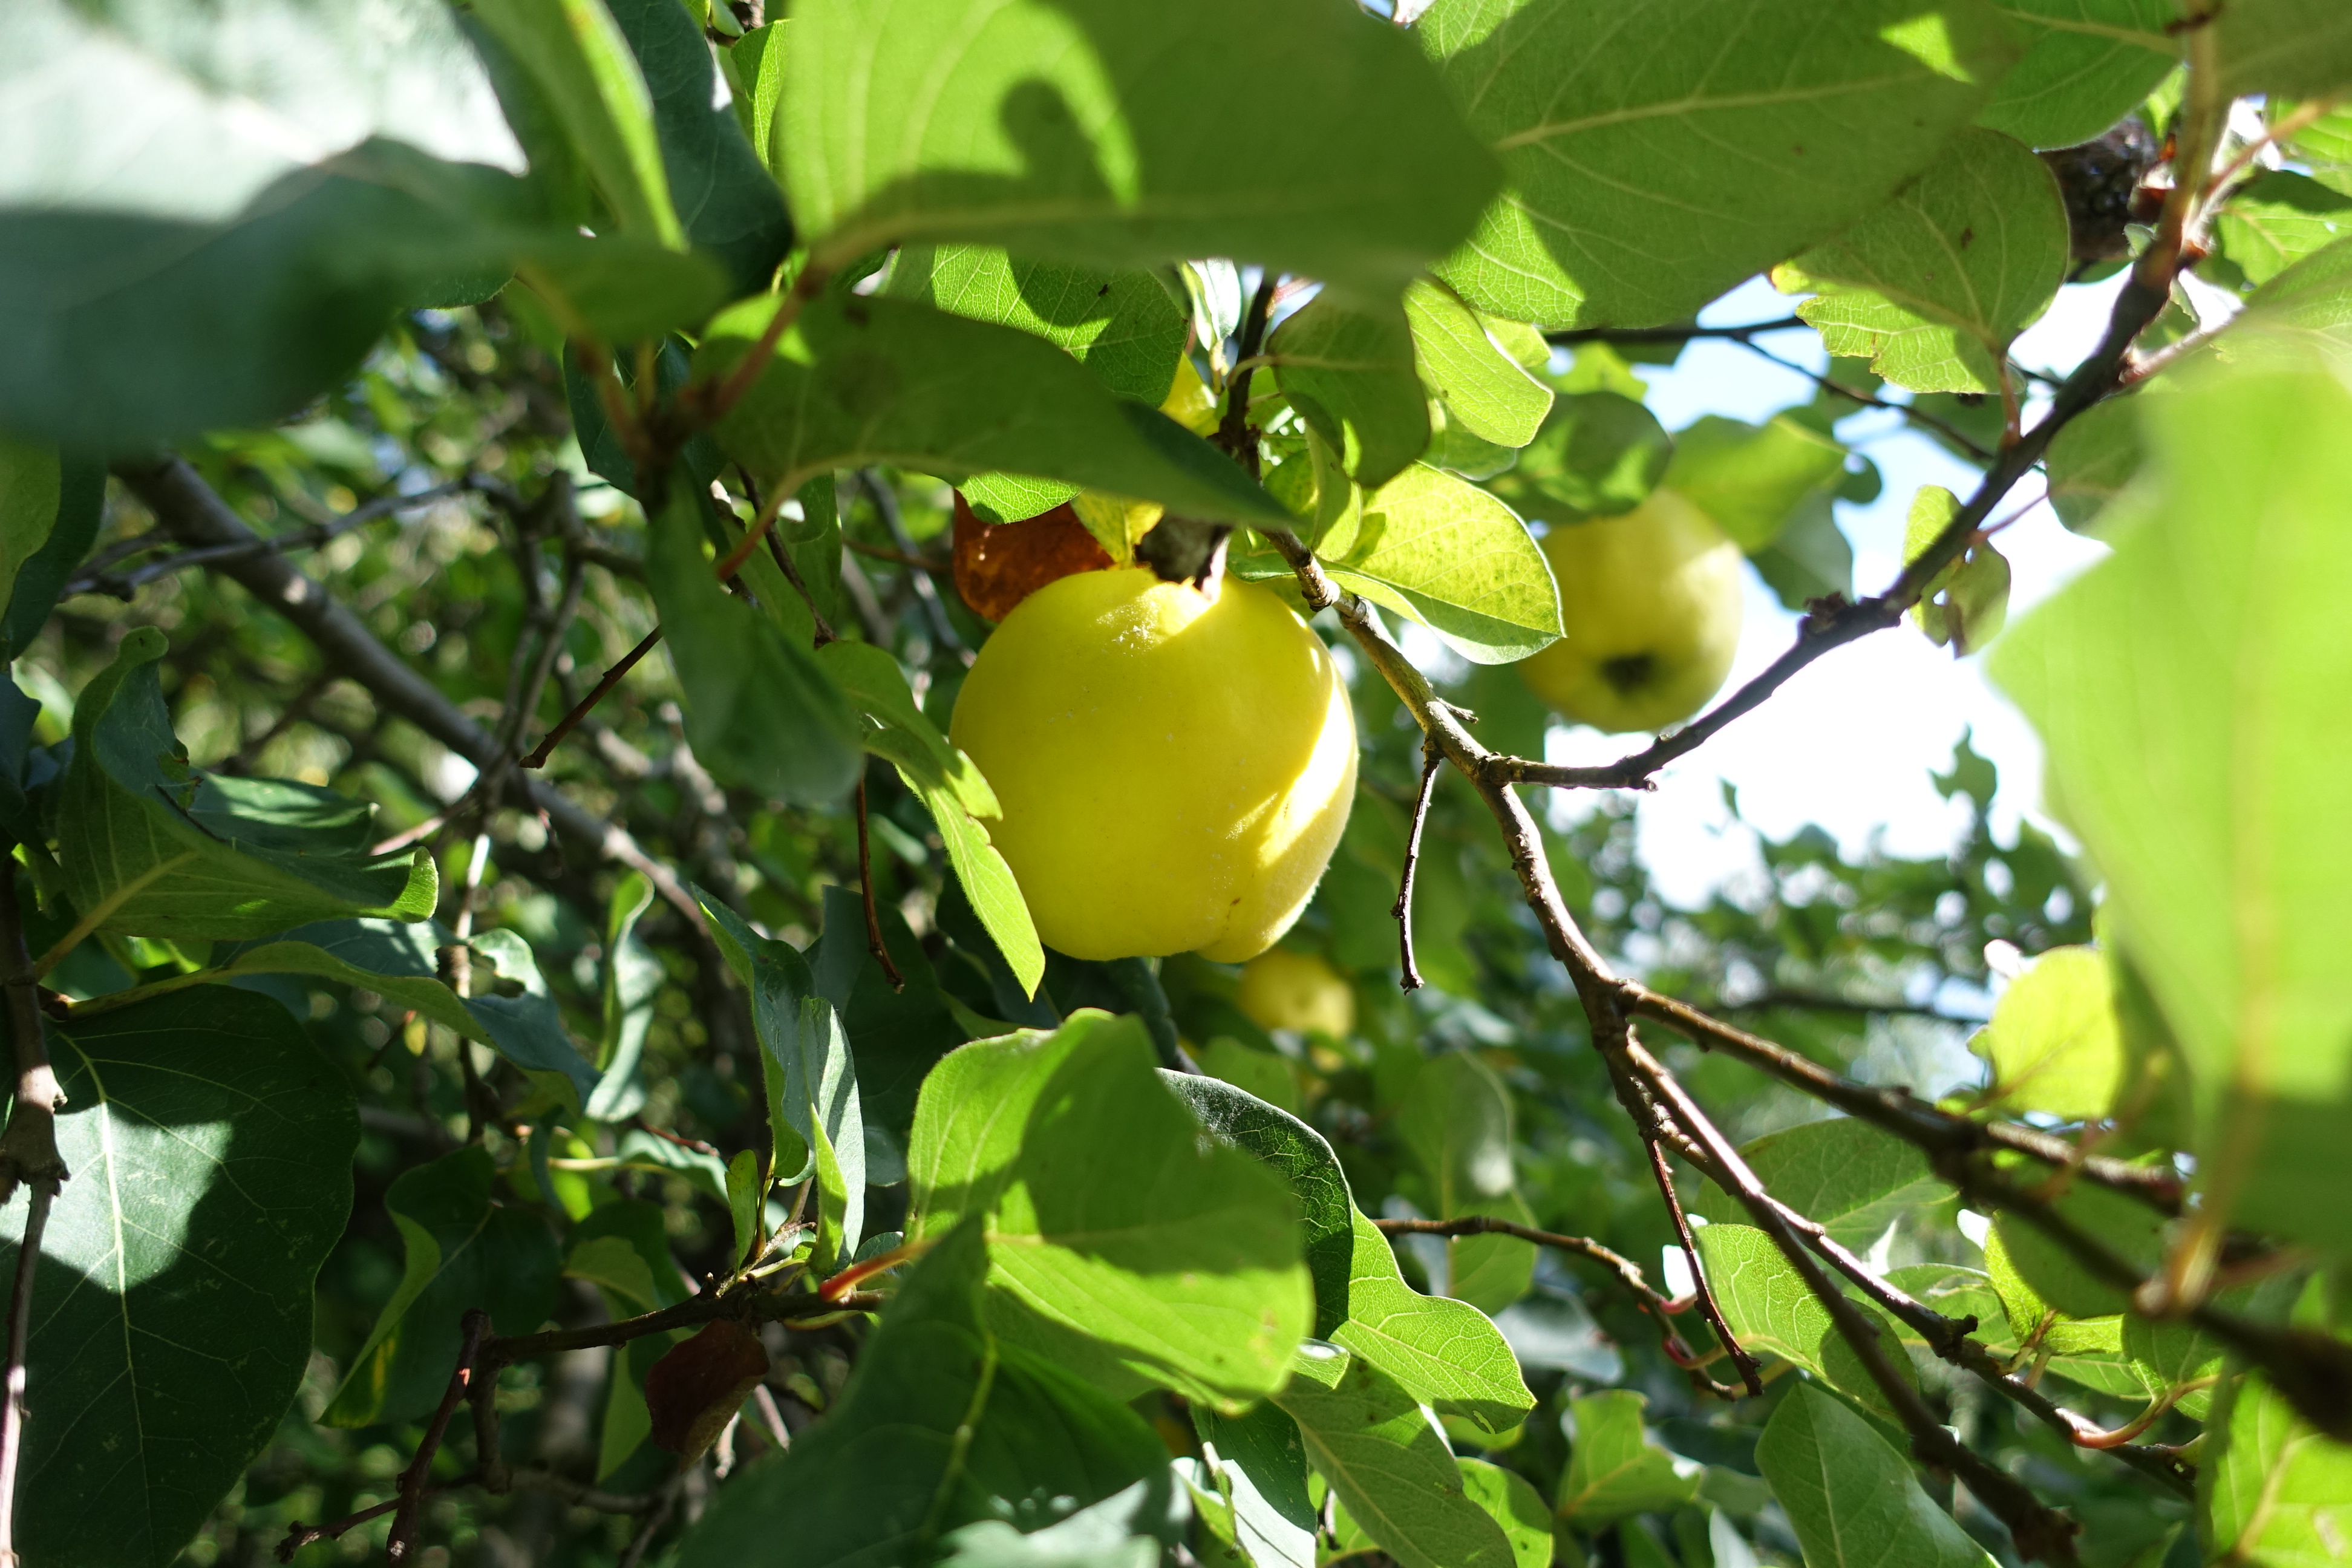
[[1233, 433], [936, 567], [409, 1505], [1432, 759], [1750, 1367], [20, 1322], [874, 943], [1943, 427], [587, 705], [935, 610]]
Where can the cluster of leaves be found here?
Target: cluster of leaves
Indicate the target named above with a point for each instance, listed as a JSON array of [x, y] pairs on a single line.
[[719, 1022]]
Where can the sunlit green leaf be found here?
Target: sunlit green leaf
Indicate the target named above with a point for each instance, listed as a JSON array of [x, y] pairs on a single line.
[[1773, 1314], [1932, 286], [1447, 554], [1599, 453], [1347, 367], [2277, 1490], [1852, 1178], [2276, 219], [1457, 1121], [1485, 390], [2092, 459], [171, 1319], [2087, 64], [1851, 1495], [1063, 132], [1753, 478], [1613, 1468], [1613, 123], [2187, 689], [2052, 1043]]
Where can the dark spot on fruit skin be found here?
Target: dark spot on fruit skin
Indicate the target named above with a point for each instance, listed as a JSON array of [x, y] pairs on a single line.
[[1628, 673]]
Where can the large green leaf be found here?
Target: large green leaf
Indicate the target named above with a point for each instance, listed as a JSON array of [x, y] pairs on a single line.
[[1660, 151], [1753, 479], [2093, 457], [80, 507], [1442, 1350], [1277, 1139], [1851, 1497], [1348, 368], [2296, 46], [1084, 132], [2054, 1043], [1932, 286], [1849, 1176], [2188, 689], [578, 55], [2088, 63], [1389, 1463], [1513, 1502], [859, 381], [1446, 553], [173, 852], [723, 195], [1259, 1460], [2275, 1491], [464, 1250], [1614, 1469], [951, 789], [211, 1152], [2276, 219], [942, 1423], [897, 1032], [1773, 1312], [1599, 453], [1485, 390], [1117, 1236], [760, 711], [1456, 1121]]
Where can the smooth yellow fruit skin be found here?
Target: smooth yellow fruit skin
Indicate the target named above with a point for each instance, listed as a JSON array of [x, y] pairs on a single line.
[[1650, 600], [1174, 769], [1284, 989]]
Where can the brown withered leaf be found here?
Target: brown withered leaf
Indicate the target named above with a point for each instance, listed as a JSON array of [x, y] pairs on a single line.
[[997, 566], [693, 1391]]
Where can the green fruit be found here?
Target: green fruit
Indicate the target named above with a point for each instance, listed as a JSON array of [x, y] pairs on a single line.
[[1651, 604], [1284, 989], [1174, 767]]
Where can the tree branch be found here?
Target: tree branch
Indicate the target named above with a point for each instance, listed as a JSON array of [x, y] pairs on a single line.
[[1432, 759], [1749, 1366], [188, 507], [1673, 334]]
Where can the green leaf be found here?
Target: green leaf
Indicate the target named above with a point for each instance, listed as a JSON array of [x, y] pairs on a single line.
[[1115, 1234], [1485, 390], [1259, 1460], [1511, 1501], [2054, 1043], [1753, 478], [2277, 218], [464, 1250], [2167, 1356], [2088, 63], [171, 1318], [1447, 554], [1851, 1497], [1077, 132], [1613, 1468], [1851, 1178], [1810, 559], [1456, 1121], [1298, 1154], [1658, 155], [2275, 1491], [2091, 461], [725, 198], [819, 1095], [579, 57], [859, 382], [1938, 281], [1346, 366], [2293, 46], [1444, 1352], [2324, 146], [941, 1423], [898, 1032], [1122, 325], [1773, 1312], [1597, 454], [1965, 605], [30, 489], [171, 852], [1957, 1292], [1263, 1075], [2050, 1272], [42, 574], [2187, 689], [761, 712], [951, 789], [1389, 1463], [632, 980]]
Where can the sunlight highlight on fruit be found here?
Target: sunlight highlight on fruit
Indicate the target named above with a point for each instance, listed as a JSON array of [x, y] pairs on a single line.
[[1174, 768]]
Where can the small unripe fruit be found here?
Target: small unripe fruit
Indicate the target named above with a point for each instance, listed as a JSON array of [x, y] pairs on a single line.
[[1650, 603], [1174, 766], [1281, 989]]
